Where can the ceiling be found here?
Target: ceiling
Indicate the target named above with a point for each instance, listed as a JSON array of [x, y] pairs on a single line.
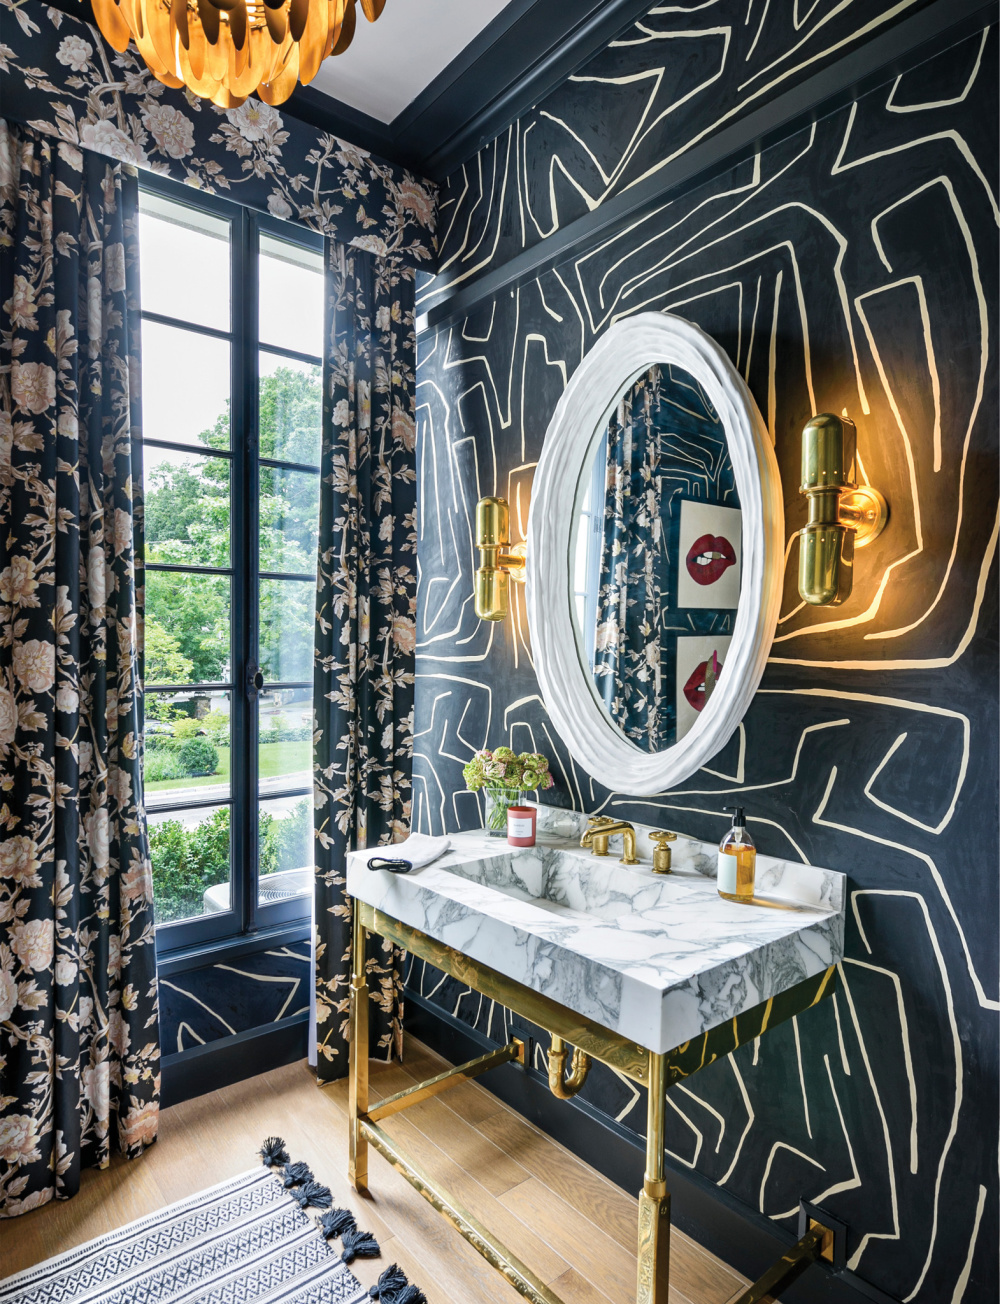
[[391, 61]]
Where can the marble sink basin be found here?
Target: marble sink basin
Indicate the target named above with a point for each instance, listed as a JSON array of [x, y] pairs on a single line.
[[658, 959]]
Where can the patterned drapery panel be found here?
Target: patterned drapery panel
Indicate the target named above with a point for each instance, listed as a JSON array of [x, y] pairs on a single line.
[[665, 447], [633, 580], [62, 78], [79, 1044], [365, 622]]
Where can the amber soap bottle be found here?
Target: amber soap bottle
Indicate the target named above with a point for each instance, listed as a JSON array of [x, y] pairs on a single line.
[[737, 860]]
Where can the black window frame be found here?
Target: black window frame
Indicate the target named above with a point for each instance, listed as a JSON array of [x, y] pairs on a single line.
[[246, 915]]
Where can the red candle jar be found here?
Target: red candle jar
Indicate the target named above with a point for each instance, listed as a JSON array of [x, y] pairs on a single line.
[[521, 825]]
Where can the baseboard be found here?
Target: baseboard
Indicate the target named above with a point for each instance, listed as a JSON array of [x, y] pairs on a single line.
[[227, 1060], [742, 1238]]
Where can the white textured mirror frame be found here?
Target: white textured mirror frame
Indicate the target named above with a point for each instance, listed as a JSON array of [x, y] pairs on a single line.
[[621, 355]]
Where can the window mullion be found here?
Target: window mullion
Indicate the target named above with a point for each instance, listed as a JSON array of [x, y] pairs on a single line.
[[243, 636]]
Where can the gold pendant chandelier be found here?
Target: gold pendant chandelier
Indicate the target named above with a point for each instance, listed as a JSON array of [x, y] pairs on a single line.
[[224, 50]]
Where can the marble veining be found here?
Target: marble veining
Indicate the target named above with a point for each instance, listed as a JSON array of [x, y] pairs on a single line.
[[658, 959]]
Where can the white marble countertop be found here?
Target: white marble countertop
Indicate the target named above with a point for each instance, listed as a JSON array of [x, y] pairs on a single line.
[[657, 958]]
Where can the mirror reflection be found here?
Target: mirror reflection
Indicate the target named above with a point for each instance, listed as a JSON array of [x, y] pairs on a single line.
[[657, 557]]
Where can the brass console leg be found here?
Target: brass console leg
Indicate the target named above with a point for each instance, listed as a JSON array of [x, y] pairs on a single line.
[[654, 1199], [357, 1099]]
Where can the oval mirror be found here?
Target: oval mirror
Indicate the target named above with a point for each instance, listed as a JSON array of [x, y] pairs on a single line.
[[655, 552]]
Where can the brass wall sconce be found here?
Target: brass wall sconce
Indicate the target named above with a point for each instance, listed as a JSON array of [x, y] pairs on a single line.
[[842, 515], [499, 563]]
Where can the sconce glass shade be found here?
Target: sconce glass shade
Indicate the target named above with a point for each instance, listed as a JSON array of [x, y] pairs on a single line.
[[225, 50]]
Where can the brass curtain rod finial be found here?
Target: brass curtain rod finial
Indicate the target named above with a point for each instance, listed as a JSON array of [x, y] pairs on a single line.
[[842, 515], [499, 561]]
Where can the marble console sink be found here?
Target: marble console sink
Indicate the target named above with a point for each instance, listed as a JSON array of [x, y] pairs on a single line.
[[657, 959]]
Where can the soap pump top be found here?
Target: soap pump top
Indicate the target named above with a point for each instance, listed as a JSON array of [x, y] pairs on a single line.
[[739, 827], [737, 860]]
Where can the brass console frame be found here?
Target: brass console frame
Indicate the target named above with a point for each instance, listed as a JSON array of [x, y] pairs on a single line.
[[657, 1072]]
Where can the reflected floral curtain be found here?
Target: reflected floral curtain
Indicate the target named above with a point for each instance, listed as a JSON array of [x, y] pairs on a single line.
[[365, 624], [79, 1042], [634, 582]]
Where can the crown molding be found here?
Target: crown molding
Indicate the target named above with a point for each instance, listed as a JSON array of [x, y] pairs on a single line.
[[525, 52]]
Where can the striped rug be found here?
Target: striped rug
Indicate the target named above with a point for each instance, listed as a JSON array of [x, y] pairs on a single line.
[[248, 1240]]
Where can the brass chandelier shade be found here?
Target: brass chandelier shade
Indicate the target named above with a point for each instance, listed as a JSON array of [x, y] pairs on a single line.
[[225, 50]]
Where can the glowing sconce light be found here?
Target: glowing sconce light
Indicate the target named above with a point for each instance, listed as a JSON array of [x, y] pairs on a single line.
[[842, 515], [499, 563]]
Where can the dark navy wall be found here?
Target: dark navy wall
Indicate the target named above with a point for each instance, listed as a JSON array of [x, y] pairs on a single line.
[[852, 265], [204, 1004], [677, 78]]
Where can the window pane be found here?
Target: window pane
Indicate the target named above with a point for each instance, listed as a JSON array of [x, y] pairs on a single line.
[[191, 859], [291, 296], [286, 848], [184, 265], [286, 629], [284, 740], [291, 409], [184, 262], [187, 508], [187, 751], [187, 628], [289, 520], [185, 386]]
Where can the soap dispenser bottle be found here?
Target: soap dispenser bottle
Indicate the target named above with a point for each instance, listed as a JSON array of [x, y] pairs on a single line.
[[737, 860]]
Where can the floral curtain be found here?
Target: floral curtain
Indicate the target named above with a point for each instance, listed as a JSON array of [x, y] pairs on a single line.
[[365, 623], [665, 448], [79, 1045], [634, 579], [60, 77]]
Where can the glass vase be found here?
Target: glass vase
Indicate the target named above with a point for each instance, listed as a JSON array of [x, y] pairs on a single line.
[[498, 802]]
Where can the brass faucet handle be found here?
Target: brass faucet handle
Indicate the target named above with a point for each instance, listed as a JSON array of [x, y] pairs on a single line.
[[661, 852], [595, 837]]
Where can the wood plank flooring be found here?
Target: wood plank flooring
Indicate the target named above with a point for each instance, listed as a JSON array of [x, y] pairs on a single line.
[[572, 1227]]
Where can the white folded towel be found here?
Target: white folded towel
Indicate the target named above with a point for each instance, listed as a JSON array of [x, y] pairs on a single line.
[[419, 849]]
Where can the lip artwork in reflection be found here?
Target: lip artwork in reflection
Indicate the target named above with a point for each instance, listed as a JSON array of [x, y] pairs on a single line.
[[702, 681], [709, 557]]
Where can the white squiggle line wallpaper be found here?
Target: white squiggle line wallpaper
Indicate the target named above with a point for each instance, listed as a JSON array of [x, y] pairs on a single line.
[[853, 266]]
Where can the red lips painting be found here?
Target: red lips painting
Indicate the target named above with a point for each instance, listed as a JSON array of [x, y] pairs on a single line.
[[709, 557], [702, 681]]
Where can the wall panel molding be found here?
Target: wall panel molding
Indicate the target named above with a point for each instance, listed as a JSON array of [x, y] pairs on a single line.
[[446, 299]]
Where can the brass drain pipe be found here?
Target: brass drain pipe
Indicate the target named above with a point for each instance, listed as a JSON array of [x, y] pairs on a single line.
[[561, 1086]]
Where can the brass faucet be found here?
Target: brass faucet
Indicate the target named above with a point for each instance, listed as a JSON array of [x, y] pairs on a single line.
[[600, 828]]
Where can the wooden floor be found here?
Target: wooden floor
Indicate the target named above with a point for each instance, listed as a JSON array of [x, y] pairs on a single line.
[[572, 1227]]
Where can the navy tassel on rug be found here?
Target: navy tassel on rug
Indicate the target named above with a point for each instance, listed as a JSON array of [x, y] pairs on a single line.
[[409, 1295], [298, 1181], [393, 1288], [296, 1174], [312, 1194], [336, 1222], [273, 1152], [390, 1283], [359, 1245]]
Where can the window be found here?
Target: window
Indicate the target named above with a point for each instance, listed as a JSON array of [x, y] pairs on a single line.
[[232, 333]]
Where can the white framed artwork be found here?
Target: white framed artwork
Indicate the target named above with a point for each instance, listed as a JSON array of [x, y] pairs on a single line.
[[701, 662], [709, 560]]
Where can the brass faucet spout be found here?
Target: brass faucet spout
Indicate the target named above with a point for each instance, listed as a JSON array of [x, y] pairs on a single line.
[[601, 828]]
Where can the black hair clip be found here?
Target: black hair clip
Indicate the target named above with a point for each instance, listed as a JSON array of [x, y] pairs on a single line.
[[393, 866]]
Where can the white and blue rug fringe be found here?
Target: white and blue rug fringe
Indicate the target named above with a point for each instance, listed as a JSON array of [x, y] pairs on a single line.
[[249, 1238]]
